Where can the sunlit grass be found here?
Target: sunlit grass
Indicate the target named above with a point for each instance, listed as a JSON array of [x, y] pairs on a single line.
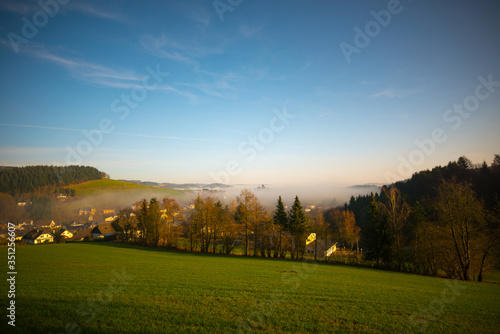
[[175, 292], [110, 186]]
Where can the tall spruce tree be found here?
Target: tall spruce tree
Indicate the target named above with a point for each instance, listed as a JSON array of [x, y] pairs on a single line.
[[154, 222], [281, 219], [379, 235], [385, 239], [371, 239], [298, 225]]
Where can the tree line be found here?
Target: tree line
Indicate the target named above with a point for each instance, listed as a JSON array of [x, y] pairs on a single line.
[[444, 222], [18, 180], [212, 226]]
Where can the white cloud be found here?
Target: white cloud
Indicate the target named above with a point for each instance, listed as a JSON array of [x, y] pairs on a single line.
[[393, 93], [81, 69], [163, 46]]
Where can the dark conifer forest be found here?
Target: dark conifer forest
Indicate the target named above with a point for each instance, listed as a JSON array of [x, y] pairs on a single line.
[[18, 180]]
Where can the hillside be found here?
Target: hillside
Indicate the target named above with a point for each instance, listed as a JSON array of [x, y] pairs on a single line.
[[111, 194], [106, 288], [180, 186], [110, 186]]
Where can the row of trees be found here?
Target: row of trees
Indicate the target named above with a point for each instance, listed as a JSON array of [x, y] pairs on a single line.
[[20, 180], [246, 222], [151, 223], [39, 209], [212, 226], [451, 230]]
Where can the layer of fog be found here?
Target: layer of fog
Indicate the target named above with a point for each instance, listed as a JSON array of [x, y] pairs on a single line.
[[325, 196]]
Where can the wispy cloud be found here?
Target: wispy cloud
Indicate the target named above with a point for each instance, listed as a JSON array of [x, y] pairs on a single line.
[[393, 93], [29, 7], [81, 69], [94, 73], [163, 46], [194, 99], [117, 133], [88, 9], [203, 87], [201, 17]]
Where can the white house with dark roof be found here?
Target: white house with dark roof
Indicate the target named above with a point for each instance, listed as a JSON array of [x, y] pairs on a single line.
[[38, 237]]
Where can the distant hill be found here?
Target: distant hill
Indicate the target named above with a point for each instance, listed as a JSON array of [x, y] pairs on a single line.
[[182, 186], [368, 185], [110, 186]]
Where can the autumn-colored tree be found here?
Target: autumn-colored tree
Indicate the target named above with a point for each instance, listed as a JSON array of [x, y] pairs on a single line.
[[172, 216], [462, 218], [350, 230], [231, 233], [344, 228], [203, 219], [322, 230], [250, 214], [126, 224]]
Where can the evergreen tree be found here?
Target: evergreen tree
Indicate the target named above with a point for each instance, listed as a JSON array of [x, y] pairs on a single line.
[[298, 225], [281, 219], [154, 222], [371, 239], [385, 239], [142, 217], [379, 235]]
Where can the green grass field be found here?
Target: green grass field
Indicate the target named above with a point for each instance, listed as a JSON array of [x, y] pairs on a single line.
[[108, 288], [96, 187]]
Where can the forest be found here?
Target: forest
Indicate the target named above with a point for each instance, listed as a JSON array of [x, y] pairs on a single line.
[[18, 180], [442, 222]]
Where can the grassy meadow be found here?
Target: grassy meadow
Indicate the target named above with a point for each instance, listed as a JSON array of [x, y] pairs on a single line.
[[110, 194], [96, 187], [108, 288]]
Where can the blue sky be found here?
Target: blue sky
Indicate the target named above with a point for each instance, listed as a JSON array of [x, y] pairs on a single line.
[[259, 92]]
